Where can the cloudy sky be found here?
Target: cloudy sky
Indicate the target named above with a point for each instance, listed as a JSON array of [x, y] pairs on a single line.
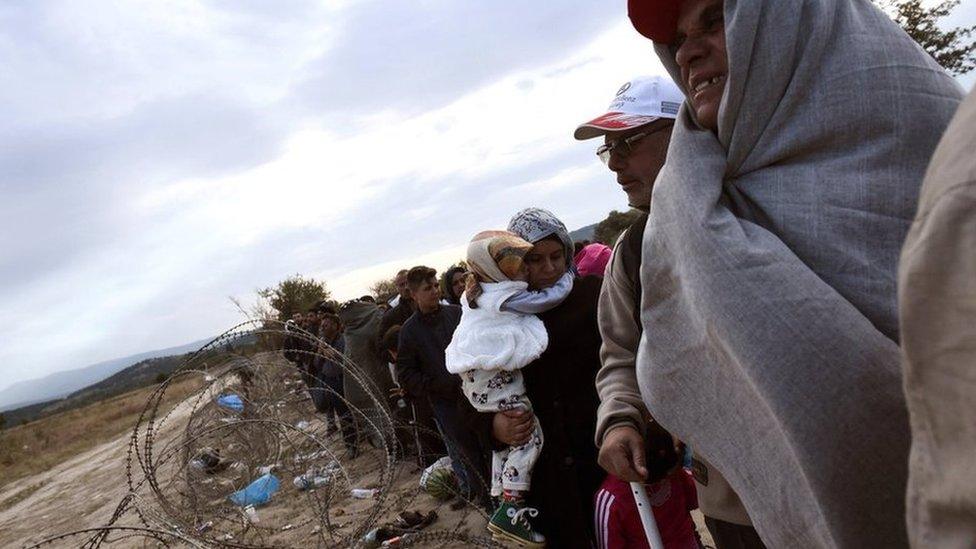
[[156, 158]]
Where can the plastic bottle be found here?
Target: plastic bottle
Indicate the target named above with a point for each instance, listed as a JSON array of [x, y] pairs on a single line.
[[364, 493], [310, 480], [252, 514]]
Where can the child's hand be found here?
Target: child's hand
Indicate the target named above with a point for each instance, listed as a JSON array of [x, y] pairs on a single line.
[[622, 454]]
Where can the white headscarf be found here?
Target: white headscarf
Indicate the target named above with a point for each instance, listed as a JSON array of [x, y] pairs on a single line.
[[770, 326]]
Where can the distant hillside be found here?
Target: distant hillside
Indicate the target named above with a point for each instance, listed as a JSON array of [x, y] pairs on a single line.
[[583, 233], [141, 374], [61, 384]]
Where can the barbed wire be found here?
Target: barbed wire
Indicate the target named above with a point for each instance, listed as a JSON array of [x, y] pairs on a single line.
[[249, 418]]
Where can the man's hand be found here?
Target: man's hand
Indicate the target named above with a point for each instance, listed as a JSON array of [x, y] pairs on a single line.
[[622, 454], [512, 427]]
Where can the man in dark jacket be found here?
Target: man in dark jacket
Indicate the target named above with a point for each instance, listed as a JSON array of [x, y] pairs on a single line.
[[402, 310], [326, 381], [422, 373], [299, 345], [290, 346]]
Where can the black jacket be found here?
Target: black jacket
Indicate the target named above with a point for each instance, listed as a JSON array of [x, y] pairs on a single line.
[[396, 316], [325, 366], [297, 347], [420, 365]]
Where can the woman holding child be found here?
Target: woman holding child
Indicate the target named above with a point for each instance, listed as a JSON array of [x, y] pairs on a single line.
[[560, 386]]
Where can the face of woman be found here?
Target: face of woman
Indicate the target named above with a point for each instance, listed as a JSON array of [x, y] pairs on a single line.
[[457, 283], [699, 50], [546, 262]]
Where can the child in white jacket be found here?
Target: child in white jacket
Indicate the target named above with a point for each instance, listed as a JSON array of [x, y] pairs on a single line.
[[498, 335]]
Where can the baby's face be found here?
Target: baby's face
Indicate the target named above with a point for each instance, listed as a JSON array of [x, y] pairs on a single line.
[[523, 273]]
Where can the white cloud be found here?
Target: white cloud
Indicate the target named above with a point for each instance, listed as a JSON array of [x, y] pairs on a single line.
[[354, 283], [167, 252], [157, 158]]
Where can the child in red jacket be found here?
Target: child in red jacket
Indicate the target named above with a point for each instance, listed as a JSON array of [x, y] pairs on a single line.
[[672, 495]]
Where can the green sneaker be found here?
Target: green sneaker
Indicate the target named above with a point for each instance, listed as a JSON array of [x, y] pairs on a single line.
[[510, 522]]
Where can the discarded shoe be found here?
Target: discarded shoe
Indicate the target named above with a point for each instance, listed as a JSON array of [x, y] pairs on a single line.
[[376, 536], [211, 460], [415, 521]]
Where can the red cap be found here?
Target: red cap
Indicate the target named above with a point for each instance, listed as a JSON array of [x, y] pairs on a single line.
[[655, 19]]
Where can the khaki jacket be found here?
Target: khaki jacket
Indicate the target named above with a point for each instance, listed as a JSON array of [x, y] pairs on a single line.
[[937, 296], [616, 381]]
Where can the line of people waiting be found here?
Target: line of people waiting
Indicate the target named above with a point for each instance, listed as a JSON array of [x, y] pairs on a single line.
[[748, 318]]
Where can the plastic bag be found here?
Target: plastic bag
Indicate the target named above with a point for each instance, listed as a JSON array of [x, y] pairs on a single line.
[[231, 402], [258, 492]]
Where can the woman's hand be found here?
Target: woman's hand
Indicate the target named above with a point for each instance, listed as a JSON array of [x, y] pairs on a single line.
[[622, 454], [512, 427]]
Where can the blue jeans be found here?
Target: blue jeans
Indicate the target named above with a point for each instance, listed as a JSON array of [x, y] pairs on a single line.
[[462, 447]]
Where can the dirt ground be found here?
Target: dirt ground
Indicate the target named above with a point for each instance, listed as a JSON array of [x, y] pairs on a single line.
[[84, 492]]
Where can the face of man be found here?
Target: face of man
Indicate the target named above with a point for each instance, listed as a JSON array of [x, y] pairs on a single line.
[[402, 287], [427, 295], [699, 50], [637, 170], [330, 328]]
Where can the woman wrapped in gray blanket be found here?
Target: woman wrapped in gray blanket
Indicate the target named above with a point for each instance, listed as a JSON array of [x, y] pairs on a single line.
[[770, 329]]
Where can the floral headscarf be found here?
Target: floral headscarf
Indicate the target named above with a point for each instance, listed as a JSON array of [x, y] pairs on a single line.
[[493, 256], [535, 224]]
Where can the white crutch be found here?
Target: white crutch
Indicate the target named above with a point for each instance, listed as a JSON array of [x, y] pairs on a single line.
[[646, 516]]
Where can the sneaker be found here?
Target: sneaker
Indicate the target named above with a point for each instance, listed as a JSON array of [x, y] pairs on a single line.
[[510, 523]]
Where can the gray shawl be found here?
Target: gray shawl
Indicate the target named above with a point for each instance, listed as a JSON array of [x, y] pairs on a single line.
[[769, 261], [362, 321]]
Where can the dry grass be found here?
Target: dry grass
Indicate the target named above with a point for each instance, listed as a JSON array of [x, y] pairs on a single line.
[[42, 444]]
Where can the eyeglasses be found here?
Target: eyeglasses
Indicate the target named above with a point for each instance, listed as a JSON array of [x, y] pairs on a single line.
[[624, 147]]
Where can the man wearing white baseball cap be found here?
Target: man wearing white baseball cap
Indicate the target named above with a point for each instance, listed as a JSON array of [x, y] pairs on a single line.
[[637, 132], [636, 129], [637, 103]]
